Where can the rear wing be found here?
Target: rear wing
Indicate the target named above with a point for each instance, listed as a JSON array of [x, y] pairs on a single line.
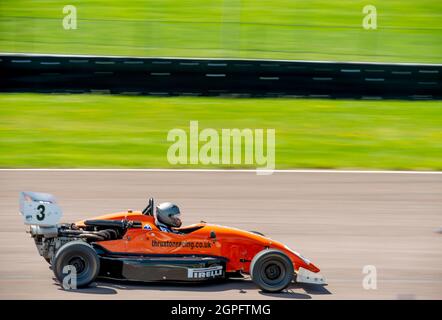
[[39, 208]]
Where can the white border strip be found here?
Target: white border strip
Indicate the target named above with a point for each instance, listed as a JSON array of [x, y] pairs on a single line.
[[224, 170], [24, 54]]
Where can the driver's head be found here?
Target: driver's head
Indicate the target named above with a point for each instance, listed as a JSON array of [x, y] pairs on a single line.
[[169, 214]]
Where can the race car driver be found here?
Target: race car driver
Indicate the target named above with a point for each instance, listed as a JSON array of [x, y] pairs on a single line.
[[167, 217]]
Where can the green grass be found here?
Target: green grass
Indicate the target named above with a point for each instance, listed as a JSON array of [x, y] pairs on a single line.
[[408, 30], [38, 130]]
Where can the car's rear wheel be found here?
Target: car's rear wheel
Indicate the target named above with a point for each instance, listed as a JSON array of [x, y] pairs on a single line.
[[271, 270], [81, 258]]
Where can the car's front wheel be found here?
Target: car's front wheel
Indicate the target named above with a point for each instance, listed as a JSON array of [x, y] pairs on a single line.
[[82, 261], [271, 270]]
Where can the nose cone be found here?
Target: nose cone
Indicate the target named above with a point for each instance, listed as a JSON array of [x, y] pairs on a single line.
[[301, 262], [313, 268]]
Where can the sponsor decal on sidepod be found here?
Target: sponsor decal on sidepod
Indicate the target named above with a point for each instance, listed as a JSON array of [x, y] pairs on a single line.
[[210, 272]]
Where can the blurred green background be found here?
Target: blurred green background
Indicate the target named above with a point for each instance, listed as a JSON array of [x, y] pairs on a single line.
[[408, 30], [106, 131]]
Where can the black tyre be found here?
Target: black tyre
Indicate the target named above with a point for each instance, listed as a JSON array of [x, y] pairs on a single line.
[[271, 270], [80, 255]]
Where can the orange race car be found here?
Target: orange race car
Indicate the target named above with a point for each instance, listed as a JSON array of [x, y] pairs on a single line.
[[130, 246]]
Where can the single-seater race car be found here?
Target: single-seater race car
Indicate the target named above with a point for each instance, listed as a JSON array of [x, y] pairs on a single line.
[[129, 246]]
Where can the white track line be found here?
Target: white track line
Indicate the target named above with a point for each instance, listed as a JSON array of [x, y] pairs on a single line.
[[224, 170], [23, 54]]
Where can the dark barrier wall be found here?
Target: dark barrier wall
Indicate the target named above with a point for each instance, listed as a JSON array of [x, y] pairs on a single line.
[[171, 76]]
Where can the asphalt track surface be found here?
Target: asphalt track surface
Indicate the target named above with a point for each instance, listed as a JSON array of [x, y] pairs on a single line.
[[341, 221]]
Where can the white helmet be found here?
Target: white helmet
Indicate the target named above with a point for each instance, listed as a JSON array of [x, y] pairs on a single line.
[[168, 214]]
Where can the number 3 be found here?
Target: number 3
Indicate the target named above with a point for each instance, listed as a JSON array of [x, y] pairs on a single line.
[[41, 216]]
